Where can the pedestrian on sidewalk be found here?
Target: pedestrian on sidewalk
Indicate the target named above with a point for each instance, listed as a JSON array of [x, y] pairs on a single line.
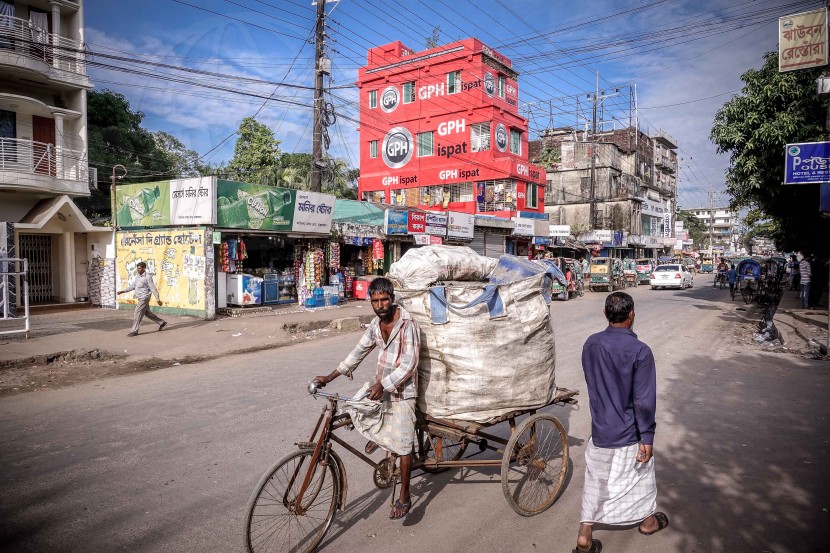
[[818, 277], [620, 481], [794, 274], [144, 290], [806, 273], [731, 277]]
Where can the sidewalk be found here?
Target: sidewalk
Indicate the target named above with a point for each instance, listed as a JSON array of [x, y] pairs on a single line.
[[185, 339], [797, 327]]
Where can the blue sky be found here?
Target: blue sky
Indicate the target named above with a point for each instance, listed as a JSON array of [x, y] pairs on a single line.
[[685, 57]]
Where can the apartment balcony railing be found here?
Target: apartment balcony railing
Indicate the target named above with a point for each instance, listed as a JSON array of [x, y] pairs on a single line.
[[38, 158], [21, 37]]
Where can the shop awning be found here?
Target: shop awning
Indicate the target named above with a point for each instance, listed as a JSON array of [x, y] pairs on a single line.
[[359, 219]]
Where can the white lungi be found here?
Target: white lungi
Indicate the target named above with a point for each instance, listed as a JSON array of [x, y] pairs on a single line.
[[392, 427], [618, 489]]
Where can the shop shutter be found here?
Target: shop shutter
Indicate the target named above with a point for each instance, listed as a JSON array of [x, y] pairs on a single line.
[[478, 241], [495, 244]]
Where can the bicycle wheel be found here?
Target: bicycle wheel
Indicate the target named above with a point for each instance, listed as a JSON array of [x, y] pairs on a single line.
[[271, 520], [534, 464], [748, 295]]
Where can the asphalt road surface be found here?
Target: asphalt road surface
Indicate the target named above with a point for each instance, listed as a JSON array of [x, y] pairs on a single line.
[[166, 460]]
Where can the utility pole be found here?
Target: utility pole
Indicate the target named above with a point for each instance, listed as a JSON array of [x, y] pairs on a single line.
[[711, 221], [112, 191], [317, 137], [593, 196]]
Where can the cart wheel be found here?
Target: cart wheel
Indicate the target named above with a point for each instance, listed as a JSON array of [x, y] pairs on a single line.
[[384, 475], [566, 296], [271, 519], [534, 464]]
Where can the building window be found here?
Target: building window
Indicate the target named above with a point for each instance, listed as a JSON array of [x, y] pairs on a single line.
[[373, 149], [501, 86], [516, 142], [409, 92], [373, 99], [531, 195], [480, 137], [453, 82], [425, 144]]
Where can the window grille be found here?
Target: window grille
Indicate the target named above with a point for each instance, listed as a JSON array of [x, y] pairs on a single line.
[[409, 92], [425, 144], [531, 195], [480, 137], [499, 195], [515, 142], [373, 99], [501, 86], [453, 82], [373, 149]]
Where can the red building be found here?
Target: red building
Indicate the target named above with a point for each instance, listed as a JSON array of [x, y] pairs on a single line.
[[440, 130]]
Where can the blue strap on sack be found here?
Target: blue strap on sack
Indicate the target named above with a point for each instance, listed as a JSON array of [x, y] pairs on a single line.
[[439, 306]]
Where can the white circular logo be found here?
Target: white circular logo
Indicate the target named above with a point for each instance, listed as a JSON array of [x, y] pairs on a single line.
[[489, 84], [795, 150], [397, 147], [501, 137], [389, 99]]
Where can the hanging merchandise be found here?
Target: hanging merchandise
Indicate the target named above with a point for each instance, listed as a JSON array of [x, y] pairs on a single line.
[[224, 259], [333, 255], [377, 249]]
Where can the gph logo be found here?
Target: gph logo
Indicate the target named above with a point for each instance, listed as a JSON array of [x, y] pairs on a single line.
[[389, 99], [397, 147], [501, 137], [489, 84]]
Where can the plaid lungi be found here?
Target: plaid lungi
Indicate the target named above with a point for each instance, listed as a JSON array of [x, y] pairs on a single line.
[[618, 489], [392, 427]]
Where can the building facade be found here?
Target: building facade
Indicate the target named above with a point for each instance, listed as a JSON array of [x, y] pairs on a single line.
[[43, 145], [440, 130], [633, 194], [725, 226]]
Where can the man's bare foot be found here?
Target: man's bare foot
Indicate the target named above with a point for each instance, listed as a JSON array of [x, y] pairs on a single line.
[[654, 523], [400, 509]]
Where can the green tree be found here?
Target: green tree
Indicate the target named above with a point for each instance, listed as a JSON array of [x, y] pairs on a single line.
[[549, 158], [296, 171], [698, 230], [434, 39], [256, 155], [116, 136], [184, 162], [774, 109]]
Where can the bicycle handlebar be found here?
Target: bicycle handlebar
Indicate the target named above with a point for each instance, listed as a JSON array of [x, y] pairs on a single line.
[[315, 391]]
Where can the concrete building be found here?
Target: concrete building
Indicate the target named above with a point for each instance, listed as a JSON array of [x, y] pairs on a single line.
[[633, 187], [43, 146], [725, 225]]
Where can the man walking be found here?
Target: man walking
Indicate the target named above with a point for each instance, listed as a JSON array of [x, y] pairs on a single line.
[[806, 273], [620, 483], [395, 381], [144, 289]]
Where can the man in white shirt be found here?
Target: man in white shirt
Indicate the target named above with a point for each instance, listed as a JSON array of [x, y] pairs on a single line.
[[144, 290], [806, 273]]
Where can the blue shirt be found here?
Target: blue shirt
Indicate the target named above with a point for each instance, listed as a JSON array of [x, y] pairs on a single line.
[[731, 276], [622, 388]]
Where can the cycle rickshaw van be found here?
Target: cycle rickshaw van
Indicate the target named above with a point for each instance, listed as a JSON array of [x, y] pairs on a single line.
[[749, 279]]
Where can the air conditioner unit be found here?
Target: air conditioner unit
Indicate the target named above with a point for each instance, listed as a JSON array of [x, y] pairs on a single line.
[[92, 173]]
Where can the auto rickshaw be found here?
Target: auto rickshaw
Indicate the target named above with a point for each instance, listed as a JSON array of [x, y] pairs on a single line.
[[629, 273], [644, 267], [606, 273]]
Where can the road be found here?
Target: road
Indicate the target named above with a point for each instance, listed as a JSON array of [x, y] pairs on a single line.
[[165, 460]]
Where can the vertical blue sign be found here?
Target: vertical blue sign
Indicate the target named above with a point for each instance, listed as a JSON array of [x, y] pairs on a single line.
[[807, 163]]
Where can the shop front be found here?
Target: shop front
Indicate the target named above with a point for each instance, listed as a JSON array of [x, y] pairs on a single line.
[[274, 246], [490, 235]]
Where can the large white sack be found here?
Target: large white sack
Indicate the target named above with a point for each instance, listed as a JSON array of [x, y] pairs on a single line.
[[420, 267], [475, 367]]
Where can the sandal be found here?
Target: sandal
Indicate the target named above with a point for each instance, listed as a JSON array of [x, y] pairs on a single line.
[[662, 522], [596, 547], [370, 448], [400, 506]]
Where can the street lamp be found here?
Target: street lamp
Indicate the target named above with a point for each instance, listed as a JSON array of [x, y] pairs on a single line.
[[112, 190]]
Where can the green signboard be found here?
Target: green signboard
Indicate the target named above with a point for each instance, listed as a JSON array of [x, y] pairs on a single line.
[[253, 206], [143, 205]]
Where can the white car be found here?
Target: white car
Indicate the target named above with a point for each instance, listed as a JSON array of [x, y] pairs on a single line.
[[671, 276]]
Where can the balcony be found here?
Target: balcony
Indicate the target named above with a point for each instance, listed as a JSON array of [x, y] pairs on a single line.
[[32, 49], [29, 166]]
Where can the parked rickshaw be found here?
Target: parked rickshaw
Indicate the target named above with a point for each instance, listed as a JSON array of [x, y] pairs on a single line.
[[574, 268], [749, 280], [606, 274], [630, 272], [644, 267]]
